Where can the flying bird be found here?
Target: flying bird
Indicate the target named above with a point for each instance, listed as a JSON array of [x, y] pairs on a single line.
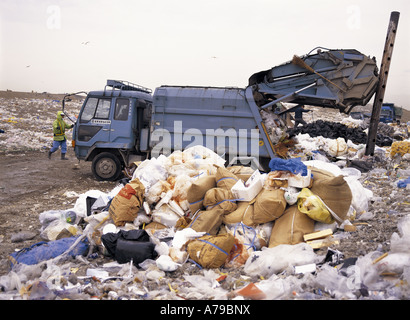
[[85, 43]]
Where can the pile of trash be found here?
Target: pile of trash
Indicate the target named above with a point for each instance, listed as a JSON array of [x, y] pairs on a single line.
[[187, 227], [346, 138], [26, 124]]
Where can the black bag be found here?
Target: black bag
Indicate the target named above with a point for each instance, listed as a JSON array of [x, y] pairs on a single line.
[[133, 245]]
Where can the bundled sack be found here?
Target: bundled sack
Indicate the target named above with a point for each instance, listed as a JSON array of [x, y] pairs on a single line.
[[269, 205], [221, 199], [133, 245], [225, 179], [217, 202], [291, 227], [197, 190], [211, 251], [126, 204], [243, 210], [334, 191]]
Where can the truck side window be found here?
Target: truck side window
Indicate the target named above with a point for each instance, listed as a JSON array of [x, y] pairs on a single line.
[[121, 109], [103, 109]]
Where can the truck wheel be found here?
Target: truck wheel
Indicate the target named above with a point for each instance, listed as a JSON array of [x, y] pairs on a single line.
[[106, 167]]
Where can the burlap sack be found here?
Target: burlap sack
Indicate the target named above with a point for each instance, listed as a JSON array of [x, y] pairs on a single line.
[[269, 205], [241, 170], [217, 202], [334, 192], [219, 198], [291, 227], [125, 205], [244, 208], [225, 179], [207, 221], [196, 192], [211, 251]]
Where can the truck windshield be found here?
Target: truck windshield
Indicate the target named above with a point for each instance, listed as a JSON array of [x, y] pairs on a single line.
[[96, 108]]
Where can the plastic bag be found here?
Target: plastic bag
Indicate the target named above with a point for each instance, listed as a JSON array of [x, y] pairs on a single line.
[[294, 165], [151, 171], [165, 263], [46, 217], [336, 147], [322, 165], [80, 206], [126, 246], [269, 261], [360, 195], [58, 229], [42, 251], [311, 205]]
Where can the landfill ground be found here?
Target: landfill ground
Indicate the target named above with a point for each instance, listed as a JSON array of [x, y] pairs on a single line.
[[30, 183]]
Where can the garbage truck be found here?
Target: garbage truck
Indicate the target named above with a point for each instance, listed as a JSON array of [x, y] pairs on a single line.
[[125, 122], [390, 113]]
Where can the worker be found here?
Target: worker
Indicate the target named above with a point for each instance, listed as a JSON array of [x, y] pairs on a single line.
[[299, 115], [60, 139]]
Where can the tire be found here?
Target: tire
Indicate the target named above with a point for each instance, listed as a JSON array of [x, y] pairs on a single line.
[[106, 167]]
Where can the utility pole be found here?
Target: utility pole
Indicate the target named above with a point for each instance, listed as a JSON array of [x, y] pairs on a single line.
[[381, 86]]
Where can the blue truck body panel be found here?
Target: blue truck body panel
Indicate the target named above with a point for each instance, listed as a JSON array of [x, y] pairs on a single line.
[[219, 118]]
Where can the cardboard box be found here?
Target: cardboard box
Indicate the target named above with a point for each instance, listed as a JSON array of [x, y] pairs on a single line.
[[248, 190]]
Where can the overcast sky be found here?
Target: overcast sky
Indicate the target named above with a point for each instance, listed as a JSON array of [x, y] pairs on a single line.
[[68, 46]]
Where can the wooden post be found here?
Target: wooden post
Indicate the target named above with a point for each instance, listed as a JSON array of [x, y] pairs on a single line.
[[381, 86]]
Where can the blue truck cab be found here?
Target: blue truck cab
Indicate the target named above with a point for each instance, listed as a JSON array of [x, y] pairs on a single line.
[[389, 113], [109, 126]]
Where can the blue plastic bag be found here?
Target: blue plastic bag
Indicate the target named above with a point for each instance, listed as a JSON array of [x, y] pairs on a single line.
[[43, 250], [295, 165], [403, 183]]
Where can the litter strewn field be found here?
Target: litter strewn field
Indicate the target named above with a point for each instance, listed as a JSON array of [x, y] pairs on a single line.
[[177, 229]]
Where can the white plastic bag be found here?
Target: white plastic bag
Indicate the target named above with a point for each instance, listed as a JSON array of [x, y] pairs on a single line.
[[151, 171], [165, 263], [336, 147], [271, 261], [80, 206], [360, 195]]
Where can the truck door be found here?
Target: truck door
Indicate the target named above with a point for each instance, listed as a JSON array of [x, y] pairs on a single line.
[[94, 125], [122, 131]]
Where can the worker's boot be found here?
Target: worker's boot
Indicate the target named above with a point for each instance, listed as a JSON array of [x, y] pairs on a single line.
[[63, 157], [49, 154]]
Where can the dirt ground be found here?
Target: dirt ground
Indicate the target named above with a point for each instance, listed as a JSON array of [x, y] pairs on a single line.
[[30, 184]]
